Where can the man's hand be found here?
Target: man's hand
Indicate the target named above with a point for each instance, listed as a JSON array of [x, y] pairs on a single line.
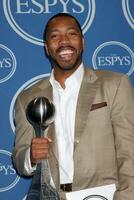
[[39, 149]]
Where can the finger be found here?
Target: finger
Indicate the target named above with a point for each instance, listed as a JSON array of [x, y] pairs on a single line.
[[37, 155], [41, 140]]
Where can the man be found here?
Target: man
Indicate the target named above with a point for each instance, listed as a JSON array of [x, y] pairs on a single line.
[[91, 142]]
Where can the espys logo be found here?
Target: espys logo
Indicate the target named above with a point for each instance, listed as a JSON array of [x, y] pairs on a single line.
[[128, 10], [8, 174], [23, 87], [24, 15], [95, 197], [7, 63], [114, 56]]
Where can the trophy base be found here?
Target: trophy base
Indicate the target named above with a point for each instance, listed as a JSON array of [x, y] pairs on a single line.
[[49, 193], [45, 192]]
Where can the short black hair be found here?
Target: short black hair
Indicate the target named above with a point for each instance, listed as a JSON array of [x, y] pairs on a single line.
[[60, 15]]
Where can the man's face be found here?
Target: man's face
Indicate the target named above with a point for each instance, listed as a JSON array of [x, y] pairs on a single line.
[[64, 43]]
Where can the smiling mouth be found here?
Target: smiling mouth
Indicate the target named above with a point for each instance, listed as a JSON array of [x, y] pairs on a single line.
[[66, 54]]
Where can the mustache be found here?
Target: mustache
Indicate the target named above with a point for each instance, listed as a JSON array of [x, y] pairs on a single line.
[[61, 48]]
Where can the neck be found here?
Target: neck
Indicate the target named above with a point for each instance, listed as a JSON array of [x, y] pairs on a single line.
[[62, 75]]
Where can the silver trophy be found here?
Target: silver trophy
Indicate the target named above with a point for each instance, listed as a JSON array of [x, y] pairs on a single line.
[[40, 112]]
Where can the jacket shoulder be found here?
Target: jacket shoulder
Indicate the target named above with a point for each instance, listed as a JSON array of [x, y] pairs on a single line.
[[34, 88]]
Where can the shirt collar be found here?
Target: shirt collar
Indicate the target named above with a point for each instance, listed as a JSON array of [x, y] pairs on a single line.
[[75, 78]]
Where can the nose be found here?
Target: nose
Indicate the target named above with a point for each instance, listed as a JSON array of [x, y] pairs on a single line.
[[64, 39]]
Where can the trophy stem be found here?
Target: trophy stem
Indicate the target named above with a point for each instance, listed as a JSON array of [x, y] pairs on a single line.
[[34, 191], [45, 171], [39, 131], [41, 188], [47, 191]]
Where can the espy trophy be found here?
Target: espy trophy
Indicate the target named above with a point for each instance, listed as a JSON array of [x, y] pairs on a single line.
[[40, 112]]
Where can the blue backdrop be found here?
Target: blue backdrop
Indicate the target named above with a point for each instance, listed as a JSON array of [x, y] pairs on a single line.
[[108, 28]]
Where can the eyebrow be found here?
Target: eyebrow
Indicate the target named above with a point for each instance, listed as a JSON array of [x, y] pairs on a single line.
[[57, 30]]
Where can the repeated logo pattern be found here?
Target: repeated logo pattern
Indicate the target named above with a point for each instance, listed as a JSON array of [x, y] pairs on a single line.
[[7, 63], [22, 59], [114, 55], [128, 9], [7, 172], [19, 15]]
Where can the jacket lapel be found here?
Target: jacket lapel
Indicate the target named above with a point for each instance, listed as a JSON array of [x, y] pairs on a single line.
[[87, 93], [45, 89]]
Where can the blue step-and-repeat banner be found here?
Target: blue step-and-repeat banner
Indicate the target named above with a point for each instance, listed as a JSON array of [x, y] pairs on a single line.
[[108, 28]]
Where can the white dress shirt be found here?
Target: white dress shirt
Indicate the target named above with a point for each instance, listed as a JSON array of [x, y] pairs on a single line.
[[65, 101]]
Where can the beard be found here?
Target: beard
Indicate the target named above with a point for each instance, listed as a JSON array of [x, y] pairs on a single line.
[[67, 65]]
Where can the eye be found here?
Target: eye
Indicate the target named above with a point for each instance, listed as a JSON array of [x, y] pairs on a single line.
[[54, 36], [73, 33]]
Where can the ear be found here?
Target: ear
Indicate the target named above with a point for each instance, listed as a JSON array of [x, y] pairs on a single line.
[[45, 46]]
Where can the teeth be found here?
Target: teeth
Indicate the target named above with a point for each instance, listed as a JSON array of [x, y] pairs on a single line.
[[65, 52]]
